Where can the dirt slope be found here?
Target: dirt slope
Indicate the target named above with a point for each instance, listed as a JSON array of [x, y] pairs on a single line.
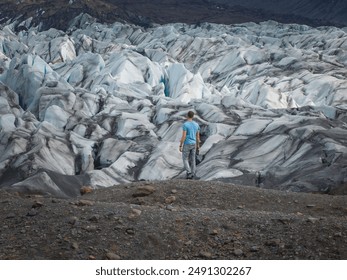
[[174, 220]]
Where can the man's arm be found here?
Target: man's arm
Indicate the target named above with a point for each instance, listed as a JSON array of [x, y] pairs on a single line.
[[198, 139], [183, 138]]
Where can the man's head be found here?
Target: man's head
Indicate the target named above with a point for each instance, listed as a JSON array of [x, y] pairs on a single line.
[[190, 115]]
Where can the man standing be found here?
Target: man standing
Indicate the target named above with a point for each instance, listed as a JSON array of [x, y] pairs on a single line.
[[190, 142]]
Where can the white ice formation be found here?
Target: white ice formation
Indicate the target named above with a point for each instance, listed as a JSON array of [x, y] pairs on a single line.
[[102, 104]]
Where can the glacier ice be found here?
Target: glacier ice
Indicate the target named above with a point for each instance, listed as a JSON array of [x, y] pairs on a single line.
[[104, 104]]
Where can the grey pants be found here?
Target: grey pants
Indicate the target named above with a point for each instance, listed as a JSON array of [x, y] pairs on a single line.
[[188, 156]]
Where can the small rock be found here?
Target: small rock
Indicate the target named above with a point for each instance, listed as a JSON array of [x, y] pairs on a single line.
[[144, 191], [36, 196], [338, 234], [238, 252], [85, 190], [134, 213], [273, 242], [170, 208], [118, 227], [206, 255], [118, 220], [33, 212], [74, 245], [310, 206], [73, 220], [174, 191], [188, 243], [91, 257], [91, 228], [312, 220], [109, 215], [240, 207], [139, 201], [95, 218], [214, 232], [112, 256], [170, 199], [130, 231], [254, 249], [11, 216], [37, 204], [284, 221], [84, 202]]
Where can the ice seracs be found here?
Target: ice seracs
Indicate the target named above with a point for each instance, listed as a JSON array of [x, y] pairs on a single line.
[[103, 104]]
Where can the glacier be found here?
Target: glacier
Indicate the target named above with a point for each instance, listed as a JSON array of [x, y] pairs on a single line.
[[103, 104]]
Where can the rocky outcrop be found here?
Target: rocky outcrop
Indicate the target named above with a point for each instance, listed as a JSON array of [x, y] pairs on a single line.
[[58, 14], [104, 104]]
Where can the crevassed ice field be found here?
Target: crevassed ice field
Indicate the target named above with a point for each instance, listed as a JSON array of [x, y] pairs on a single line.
[[101, 104]]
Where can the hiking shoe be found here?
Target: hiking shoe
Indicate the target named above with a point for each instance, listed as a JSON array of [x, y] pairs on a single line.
[[190, 176]]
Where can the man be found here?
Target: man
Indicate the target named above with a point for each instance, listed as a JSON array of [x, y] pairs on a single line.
[[189, 143]]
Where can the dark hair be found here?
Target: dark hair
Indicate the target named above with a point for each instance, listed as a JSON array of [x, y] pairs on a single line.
[[190, 114]]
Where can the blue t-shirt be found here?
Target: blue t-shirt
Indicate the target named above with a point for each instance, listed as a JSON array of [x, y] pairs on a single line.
[[192, 128]]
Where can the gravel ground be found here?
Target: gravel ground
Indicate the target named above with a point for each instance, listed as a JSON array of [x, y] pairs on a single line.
[[175, 219]]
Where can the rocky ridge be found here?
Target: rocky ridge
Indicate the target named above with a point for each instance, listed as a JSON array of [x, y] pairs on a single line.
[[58, 14]]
